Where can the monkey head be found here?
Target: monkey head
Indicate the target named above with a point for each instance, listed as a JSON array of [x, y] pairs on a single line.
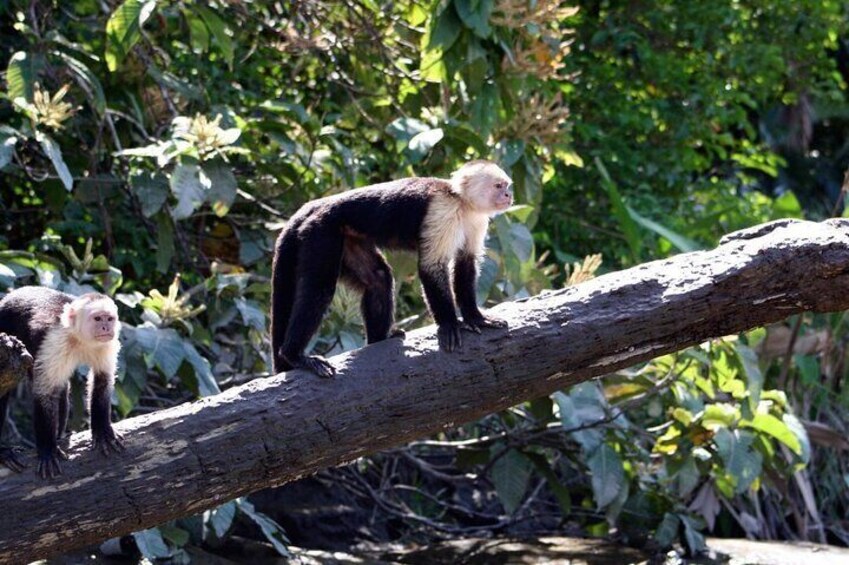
[[484, 186], [93, 318]]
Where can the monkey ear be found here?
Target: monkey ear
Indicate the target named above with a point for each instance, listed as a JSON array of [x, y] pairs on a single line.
[[68, 315]]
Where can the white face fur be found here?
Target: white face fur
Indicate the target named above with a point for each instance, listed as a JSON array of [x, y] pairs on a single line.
[[485, 186], [92, 320]]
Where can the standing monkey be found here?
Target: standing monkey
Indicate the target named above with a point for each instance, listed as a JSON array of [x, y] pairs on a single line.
[[62, 332], [340, 236]]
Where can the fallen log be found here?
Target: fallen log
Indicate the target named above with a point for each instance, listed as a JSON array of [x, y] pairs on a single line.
[[187, 459]]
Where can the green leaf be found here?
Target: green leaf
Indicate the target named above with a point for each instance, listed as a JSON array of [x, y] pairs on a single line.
[[20, 76], [511, 474], [607, 473], [561, 493], [87, 80], [162, 347], [667, 532], [509, 151], [152, 191], [716, 416], [695, 540], [681, 242], [754, 376], [421, 144], [7, 149], [151, 545], [740, 461], [620, 210], [770, 425], [198, 32], [123, 30], [270, 529], [190, 187], [164, 242], [475, 15], [54, 153], [222, 187], [177, 536], [445, 31], [219, 33], [220, 519], [206, 383]]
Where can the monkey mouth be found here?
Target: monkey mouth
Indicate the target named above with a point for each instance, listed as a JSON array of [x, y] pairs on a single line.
[[104, 337]]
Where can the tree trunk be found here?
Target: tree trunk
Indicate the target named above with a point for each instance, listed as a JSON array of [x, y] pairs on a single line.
[[184, 460]]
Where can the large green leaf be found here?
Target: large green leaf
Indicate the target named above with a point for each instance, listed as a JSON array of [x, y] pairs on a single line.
[[620, 210], [20, 76], [270, 529], [54, 153], [87, 80], [152, 191], [151, 545], [189, 186], [206, 383], [769, 424], [222, 187], [510, 475], [220, 519], [607, 474], [7, 148], [219, 33], [475, 15], [123, 30], [683, 243]]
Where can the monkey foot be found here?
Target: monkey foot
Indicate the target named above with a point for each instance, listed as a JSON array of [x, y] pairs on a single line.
[[108, 442], [475, 324], [48, 463], [449, 337], [9, 458], [315, 364]]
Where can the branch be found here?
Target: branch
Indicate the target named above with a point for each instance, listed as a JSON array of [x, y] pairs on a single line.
[[192, 457], [15, 363]]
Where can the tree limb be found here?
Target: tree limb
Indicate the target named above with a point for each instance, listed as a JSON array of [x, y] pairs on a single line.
[[270, 431]]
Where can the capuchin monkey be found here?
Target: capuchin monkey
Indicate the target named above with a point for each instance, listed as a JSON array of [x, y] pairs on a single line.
[[340, 236], [62, 332]]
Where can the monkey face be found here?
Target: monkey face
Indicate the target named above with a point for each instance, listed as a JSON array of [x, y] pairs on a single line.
[[101, 325], [93, 320], [487, 187]]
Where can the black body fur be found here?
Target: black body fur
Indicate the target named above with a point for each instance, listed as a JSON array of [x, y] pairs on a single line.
[[339, 237]]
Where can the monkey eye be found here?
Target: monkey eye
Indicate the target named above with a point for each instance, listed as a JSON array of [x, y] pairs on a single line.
[[499, 185], [97, 318]]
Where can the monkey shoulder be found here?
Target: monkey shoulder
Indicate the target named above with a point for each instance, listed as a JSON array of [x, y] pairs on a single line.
[[30, 311]]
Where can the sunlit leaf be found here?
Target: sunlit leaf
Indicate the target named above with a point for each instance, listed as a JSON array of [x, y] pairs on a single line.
[[54, 153]]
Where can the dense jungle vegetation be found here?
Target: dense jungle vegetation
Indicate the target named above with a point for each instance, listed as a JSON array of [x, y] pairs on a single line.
[[152, 149]]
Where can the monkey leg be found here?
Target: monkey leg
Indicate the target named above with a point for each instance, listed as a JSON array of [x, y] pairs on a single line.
[[437, 291], [365, 269], [317, 273], [64, 399], [45, 420], [8, 455], [283, 272], [104, 438]]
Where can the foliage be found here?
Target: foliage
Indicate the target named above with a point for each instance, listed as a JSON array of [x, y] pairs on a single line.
[[152, 150]]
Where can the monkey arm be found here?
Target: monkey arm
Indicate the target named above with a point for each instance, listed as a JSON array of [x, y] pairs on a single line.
[[437, 291]]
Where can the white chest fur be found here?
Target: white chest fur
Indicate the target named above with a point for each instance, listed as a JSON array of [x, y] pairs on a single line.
[[448, 227], [60, 355]]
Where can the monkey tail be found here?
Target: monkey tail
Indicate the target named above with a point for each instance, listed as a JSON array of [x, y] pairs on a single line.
[[282, 293]]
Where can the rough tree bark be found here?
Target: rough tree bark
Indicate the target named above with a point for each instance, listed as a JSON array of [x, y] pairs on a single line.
[[15, 362], [196, 456]]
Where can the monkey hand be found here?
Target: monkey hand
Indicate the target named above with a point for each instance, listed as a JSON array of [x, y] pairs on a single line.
[[475, 323], [9, 458], [48, 462], [449, 337], [107, 441]]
